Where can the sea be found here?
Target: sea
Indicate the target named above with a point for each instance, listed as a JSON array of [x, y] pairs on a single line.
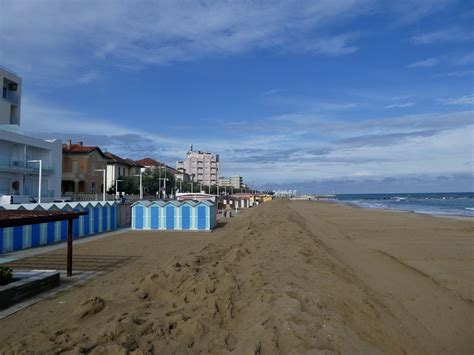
[[442, 204]]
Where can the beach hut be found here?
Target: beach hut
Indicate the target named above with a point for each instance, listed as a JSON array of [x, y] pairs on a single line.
[[101, 218], [185, 215], [171, 214], [140, 214], [155, 211], [205, 215], [174, 215]]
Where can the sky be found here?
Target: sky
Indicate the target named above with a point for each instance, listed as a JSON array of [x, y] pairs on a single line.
[[346, 95]]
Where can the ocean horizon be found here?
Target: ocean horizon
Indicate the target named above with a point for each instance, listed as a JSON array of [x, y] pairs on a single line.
[[434, 203]]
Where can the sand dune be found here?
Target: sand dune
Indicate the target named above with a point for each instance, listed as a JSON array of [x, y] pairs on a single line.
[[286, 277]]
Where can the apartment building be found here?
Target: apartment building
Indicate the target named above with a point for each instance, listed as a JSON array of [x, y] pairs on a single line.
[[234, 181], [11, 98], [80, 168], [224, 182], [203, 167], [20, 154]]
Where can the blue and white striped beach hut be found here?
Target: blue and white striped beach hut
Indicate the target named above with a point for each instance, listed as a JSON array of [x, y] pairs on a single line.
[[102, 218], [174, 215]]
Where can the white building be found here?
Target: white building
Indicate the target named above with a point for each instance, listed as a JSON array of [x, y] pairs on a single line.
[[202, 167], [234, 181], [11, 98], [18, 175], [118, 168], [224, 182]]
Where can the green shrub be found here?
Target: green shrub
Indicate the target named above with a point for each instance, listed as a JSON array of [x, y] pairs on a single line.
[[5, 275]]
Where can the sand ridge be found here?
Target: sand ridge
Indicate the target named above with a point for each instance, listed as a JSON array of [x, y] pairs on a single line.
[[266, 283]]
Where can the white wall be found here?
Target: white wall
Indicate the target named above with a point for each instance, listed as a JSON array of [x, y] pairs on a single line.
[[5, 105], [15, 150]]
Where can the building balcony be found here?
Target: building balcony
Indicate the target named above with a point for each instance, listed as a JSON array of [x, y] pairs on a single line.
[[73, 176], [12, 97], [23, 167]]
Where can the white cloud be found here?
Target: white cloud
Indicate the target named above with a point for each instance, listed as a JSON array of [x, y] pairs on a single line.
[[410, 11], [52, 40], [443, 36], [454, 74], [400, 105], [466, 100], [335, 45], [87, 77], [465, 59], [67, 38], [427, 63], [315, 146]]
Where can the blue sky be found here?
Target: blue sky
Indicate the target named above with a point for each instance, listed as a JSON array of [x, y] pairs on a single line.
[[365, 96]]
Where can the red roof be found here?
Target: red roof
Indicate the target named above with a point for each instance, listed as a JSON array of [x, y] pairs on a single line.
[[81, 149], [149, 162], [152, 162]]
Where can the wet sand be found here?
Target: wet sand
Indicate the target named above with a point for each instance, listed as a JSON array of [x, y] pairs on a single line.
[[286, 277]]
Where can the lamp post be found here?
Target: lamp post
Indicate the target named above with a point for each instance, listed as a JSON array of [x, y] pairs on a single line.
[[116, 187], [141, 182], [104, 175], [164, 185], [39, 176]]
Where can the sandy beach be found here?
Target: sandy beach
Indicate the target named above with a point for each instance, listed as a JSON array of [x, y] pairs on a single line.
[[289, 277]]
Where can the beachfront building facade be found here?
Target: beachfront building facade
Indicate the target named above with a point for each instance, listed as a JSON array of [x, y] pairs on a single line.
[[134, 167], [202, 167], [20, 154], [223, 182], [19, 164], [150, 163], [83, 169], [118, 168], [10, 102], [181, 175], [234, 181]]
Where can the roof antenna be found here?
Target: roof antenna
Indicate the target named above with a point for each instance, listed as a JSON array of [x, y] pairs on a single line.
[[190, 147]]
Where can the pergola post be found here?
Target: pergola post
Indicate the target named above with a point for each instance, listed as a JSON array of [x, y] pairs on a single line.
[[69, 247]]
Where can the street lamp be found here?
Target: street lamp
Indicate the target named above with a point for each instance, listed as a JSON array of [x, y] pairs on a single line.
[[39, 176], [104, 174], [164, 185], [141, 182], [116, 187]]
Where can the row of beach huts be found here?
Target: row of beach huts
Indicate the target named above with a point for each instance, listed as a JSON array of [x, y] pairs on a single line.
[[192, 213]]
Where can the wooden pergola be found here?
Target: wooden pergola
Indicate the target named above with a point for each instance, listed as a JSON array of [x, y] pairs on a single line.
[[15, 218]]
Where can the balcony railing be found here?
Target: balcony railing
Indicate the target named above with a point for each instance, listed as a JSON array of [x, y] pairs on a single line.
[[10, 96], [24, 167]]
